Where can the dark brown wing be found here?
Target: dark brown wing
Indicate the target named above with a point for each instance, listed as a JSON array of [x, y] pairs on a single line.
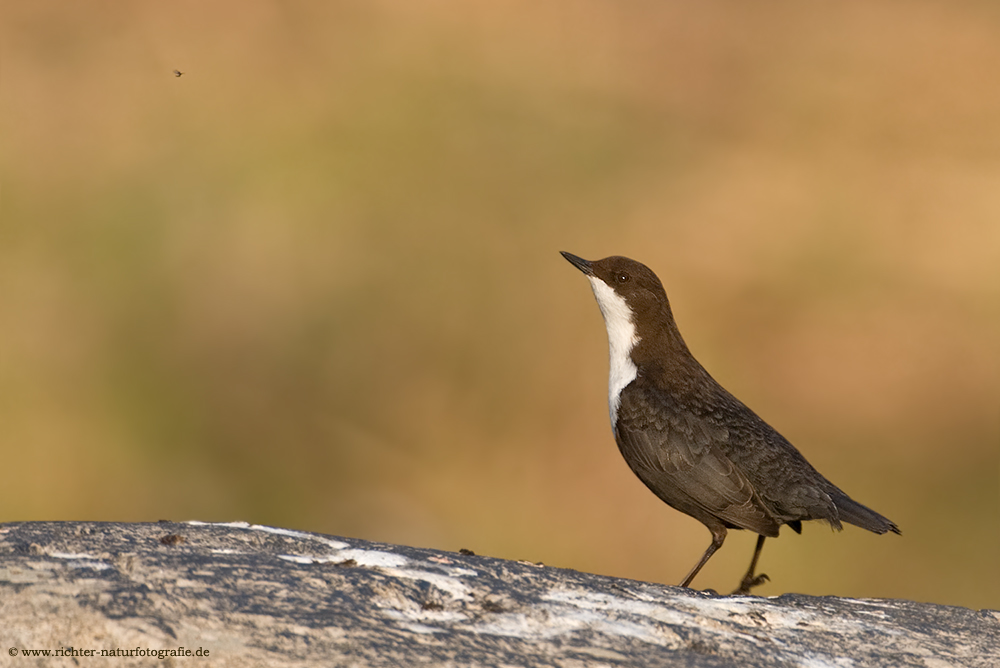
[[677, 455]]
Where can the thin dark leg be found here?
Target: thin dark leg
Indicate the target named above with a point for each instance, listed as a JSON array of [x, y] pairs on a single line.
[[718, 537], [750, 580]]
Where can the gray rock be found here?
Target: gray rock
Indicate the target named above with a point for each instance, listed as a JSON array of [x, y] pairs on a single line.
[[255, 596]]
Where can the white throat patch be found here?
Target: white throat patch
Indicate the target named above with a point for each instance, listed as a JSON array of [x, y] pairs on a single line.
[[621, 341]]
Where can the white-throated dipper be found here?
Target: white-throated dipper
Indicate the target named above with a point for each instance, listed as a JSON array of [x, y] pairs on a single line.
[[692, 443]]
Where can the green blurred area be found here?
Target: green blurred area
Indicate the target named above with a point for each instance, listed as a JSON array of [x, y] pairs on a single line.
[[314, 281]]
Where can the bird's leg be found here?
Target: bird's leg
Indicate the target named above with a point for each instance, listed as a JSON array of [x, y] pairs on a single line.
[[750, 580], [718, 537]]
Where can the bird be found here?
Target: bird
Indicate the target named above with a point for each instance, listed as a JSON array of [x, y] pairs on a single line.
[[692, 443], [178, 73]]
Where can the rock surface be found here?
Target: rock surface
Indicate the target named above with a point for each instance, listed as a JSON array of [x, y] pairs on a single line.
[[261, 596]]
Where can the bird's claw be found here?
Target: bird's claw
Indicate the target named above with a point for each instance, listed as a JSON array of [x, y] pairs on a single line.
[[749, 582]]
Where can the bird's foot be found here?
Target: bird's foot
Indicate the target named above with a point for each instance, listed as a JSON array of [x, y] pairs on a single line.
[[749, 582]]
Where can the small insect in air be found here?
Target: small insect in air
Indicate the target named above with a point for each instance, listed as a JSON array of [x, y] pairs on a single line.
[[177, 73]]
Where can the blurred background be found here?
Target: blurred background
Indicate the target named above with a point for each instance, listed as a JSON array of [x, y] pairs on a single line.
[[314, 281]]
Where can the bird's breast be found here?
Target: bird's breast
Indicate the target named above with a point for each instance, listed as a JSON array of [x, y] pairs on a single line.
[[622, 338]]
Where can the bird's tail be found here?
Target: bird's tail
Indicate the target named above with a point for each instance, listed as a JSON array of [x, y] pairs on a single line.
[[854, 513]]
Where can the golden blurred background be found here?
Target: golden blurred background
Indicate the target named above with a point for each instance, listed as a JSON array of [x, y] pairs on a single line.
[[314, 281]]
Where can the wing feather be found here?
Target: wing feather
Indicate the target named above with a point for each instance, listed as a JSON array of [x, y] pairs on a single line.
[[678, 455]]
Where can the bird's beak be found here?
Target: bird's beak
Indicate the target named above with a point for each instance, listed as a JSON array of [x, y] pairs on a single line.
[[578, 262]]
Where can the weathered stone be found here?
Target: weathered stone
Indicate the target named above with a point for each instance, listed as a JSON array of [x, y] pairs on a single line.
[[256, 596]]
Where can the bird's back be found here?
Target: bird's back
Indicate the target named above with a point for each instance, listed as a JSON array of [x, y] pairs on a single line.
[[700, 416]]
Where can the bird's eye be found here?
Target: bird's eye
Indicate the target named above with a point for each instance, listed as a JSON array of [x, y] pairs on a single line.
[[621, 277]]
